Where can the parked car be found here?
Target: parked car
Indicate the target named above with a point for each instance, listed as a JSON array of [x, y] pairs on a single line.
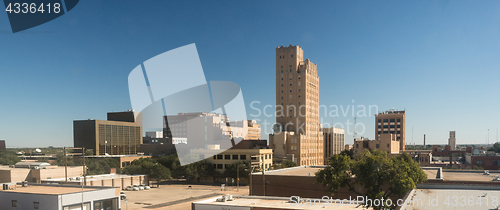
[[138, 187], [145, 187], [122, 195], [129, 188]]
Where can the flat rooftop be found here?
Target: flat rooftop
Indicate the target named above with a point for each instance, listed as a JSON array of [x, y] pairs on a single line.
[[295, 171], [421, 199], [275, 203], [48, 190], [92, 177], [469, 176]]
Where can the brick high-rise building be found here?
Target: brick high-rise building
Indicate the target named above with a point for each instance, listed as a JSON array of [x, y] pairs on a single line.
[[297, 135], [393, 122]]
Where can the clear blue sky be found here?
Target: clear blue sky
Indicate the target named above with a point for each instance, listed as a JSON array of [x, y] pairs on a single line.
[[439, 60]]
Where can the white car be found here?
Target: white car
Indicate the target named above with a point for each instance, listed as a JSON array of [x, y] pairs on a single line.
[[123, 196], [139, 187], [145, 187]]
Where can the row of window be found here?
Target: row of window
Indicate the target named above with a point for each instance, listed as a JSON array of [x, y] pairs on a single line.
[[235, 157], [226, 166], [391, 126], [391, 120], [36, 205], [283, 56], [399, 132]]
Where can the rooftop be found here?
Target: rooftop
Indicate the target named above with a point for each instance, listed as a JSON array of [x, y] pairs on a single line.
[[295, 171], [51, 189], [269, 202], [91, 178], [445, 199]]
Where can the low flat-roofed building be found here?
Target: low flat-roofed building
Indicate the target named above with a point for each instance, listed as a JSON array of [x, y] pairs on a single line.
[[60, 197], [269, 203], [110, 180], [35, 175], [386, 142], [125, 160], [423, 157]]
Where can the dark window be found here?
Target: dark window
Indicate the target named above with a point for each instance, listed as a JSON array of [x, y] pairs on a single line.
[[379, 126], [387, 145], [253, 158], [235, 157], [227, 157], [290, 70], [281, 78], [399, 138], [386, 120], [479, 163], [379, 132], [399, 126], [226, 166], [392, 120], [392, 126], [290, 84], [497, 163], [281, 85], [243, 157], [392, 132], [357, 146], [379, 120], [386, 132], [386, 126], [399, 120], [14, 203], [399, 132], [292, 56], [36, 205], [378, 146], [219, 157], [219, 166]]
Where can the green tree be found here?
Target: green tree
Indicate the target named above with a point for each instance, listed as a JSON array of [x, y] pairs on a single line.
[[377, 174], [151, 167], [101, 166], [8, 158], [349, 153], [495, 148], [285, 164], [239, 167]]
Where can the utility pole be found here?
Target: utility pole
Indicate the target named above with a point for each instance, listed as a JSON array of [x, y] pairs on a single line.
[[84, 167], [65, 166], [488, 137], [238, 178]]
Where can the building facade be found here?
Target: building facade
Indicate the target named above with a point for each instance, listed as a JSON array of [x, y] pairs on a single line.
[[2, 145], [223, 160], [333, 142], [108, 137], [386, 142], [253, 130], [391, 122], [452, 141], [297, 132]]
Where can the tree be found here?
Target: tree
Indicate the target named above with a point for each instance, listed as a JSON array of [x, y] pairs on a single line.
[[239, 167], [285, 164], [377, 174], [349, 153], [495, 148], [101, 166], [151, 167], [8, 158]]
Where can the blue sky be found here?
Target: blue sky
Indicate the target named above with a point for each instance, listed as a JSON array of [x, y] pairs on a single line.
[[439, 60]]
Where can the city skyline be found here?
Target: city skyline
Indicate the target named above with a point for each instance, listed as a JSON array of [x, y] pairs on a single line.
[[438, 61]]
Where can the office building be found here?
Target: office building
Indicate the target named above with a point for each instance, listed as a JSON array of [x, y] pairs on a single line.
[[59, 197], [452, 141], [2, 145], [386, 142], [391, 122], [333, 142], [127, 116], [253, 130], [108, 137], [297, 134]]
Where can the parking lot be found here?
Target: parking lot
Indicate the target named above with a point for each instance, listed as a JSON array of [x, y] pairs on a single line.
[[175, 196]]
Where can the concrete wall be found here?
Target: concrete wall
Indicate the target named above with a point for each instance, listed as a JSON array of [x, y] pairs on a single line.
[[25, 201]]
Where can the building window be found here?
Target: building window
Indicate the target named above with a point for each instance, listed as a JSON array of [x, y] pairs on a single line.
[[299, 96], [392, 126], [497, 163], [235, 157], [379, 132], [357, 146], [299, 103], [377, 146], [379, 126], [290, 70], [386, 132], [215, 157], [219, 157], [399, 126], [392, 120], [281, 85], [290, 91], [292, 55], [299, 90], [399, 120], [226, 166], [219, 166], [253, 158], [227, 157], [243, 157], [386, 126], [479, 163], [290, 84], [399, 132], [281, 78], [14, 203], [379, 120], [281, 97], [388, 145], [36, 205]]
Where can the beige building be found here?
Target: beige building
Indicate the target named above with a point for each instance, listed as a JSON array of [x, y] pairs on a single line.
[[253, 130], [35, 175], [108, 137], [222, 160], [452, 141], [348, 147], [297, 133], [391, 122], [333, 142], [386, 142]]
